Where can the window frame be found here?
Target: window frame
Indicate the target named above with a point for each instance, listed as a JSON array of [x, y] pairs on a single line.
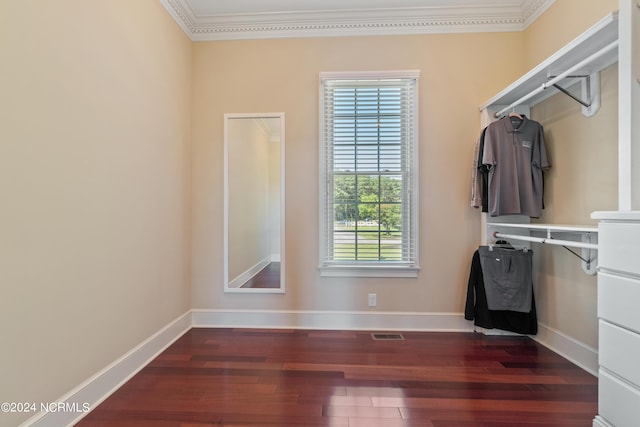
[[332, 268]]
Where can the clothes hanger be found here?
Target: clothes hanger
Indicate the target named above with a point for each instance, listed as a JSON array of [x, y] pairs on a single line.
[[504, 244], [514, 114]]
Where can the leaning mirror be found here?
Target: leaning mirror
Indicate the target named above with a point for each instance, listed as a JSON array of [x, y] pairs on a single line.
[[254, 202]]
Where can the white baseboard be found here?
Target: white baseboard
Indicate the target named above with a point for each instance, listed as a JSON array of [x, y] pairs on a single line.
[[346, 320], [497, 332], [571, 349], [598, 421], [97, 388]]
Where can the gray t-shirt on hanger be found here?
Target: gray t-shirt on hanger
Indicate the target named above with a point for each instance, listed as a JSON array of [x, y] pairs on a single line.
[[515, 153]]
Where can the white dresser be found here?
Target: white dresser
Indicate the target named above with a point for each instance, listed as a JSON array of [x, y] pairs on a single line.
[[619, 319]]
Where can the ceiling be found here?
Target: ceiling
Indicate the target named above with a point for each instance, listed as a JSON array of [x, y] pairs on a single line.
[[254, 19]]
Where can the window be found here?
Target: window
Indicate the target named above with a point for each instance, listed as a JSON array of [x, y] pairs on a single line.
[[369, 174]]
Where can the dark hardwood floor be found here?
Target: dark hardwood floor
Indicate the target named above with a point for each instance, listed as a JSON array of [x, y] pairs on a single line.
[[268, 277], [294, 378]]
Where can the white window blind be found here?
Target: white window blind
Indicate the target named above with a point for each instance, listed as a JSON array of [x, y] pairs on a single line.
[[369, 173]]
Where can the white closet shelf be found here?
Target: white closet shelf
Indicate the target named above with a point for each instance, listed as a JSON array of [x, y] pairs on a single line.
[[585, 56], [587, 234], [578, 229], [548, 234]]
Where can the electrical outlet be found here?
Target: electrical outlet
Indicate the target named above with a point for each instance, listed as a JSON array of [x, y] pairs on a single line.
[[373, 300]]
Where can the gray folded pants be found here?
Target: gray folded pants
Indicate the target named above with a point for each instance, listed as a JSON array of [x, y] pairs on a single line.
[[507, 278]]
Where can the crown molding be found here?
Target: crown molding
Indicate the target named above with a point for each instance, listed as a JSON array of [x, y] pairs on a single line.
[[533, 9], [490, 17]]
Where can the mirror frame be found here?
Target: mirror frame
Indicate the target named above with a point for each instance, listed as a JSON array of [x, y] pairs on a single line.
[[227, 117]]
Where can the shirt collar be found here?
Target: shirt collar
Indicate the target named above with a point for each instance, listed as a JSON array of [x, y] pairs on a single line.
[[509, 126]]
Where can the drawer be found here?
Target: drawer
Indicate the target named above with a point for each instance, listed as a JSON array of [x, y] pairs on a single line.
[[618, 402], [618, 300], [620, 352], [619, 246]]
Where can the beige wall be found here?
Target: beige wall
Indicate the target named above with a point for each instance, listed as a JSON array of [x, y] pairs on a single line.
[[458, 73], [561, 23], [94, 184], [583, 176]]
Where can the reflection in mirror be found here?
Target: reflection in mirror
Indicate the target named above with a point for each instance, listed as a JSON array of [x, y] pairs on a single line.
[[254, 202]]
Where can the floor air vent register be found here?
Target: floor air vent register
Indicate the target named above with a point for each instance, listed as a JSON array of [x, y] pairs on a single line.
[[387, 337]]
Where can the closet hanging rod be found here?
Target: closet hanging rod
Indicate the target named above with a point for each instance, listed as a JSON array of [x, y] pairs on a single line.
[[556, 79], [547, 240]]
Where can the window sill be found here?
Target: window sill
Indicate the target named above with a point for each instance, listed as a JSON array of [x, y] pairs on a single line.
[[350, 270]]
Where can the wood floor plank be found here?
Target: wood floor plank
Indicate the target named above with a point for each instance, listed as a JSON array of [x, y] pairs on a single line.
[[524, 406], [286, 378]]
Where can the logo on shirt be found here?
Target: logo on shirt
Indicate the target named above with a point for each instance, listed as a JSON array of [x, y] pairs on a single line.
[[527, 144]]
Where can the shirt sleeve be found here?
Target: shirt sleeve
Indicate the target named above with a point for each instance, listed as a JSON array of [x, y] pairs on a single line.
[[488, 153], [476, 182], [541, 161]]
